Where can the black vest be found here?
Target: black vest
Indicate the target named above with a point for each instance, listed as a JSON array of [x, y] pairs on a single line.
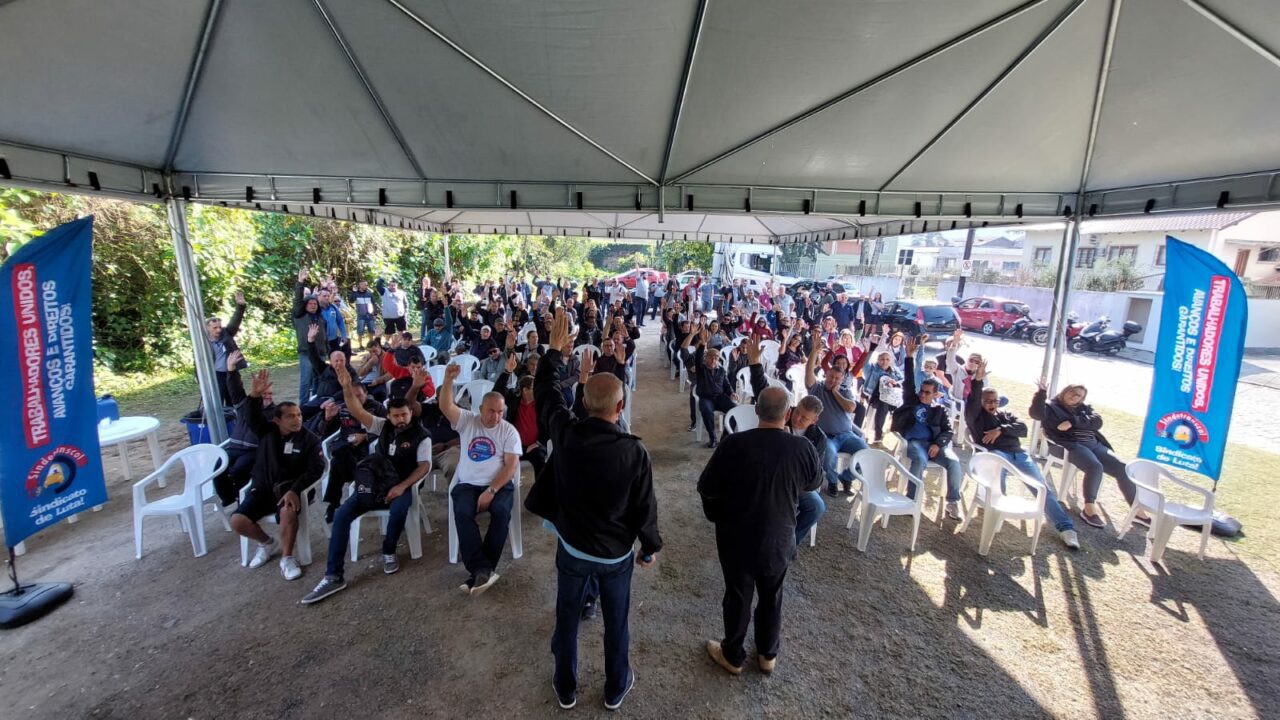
[[405, 455]]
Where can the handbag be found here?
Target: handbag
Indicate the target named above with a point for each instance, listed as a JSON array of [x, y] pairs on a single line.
[[890, 395], [374, 478]]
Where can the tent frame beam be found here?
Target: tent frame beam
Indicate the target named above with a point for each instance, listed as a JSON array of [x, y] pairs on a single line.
[[1234, 31], [513, 88], [683, 91], [863, 87], [193, 79], [369, 88], [1039, 40]]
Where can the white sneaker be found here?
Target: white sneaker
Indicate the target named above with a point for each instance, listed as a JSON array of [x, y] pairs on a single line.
[[1070, 539], [289, 568], [264, 553]]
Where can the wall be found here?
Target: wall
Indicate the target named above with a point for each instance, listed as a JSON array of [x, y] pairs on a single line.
[[1264, 315]]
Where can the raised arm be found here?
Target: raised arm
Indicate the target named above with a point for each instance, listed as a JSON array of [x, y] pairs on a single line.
[[815, 349], [357, 411], [233, 325], [444, 394], [299, 307]]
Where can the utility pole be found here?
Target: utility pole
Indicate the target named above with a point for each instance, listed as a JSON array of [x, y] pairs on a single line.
[[968, 252]]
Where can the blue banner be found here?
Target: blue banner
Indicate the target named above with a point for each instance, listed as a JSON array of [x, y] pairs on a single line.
[[50, 464], [1202, 325]]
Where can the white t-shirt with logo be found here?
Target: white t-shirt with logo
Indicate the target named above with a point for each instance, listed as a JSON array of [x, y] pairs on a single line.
[[482, 448]]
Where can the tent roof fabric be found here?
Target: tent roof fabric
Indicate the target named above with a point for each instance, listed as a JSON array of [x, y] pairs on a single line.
[[761, 118]]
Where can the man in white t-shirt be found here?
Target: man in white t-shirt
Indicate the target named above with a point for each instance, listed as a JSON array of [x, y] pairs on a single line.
[[489, 458], [394, 306]]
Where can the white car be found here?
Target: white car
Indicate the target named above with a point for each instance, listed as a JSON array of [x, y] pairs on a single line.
[[689, 276]]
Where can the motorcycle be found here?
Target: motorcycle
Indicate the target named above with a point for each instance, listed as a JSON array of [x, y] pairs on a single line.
[[1024, 328], [1097, 337]]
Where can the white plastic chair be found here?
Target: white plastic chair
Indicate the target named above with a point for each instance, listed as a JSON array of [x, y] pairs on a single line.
[[769, 351], [310, 495], [737, 341], [526, 329], [795, 374], [437, 376], [874, 499], [469, 364], [693, 389], [200, 463], [1166, 514], [1055, 459], [997, 507], [474, 392], [741, 419], [744, 384], [681, 372], [934, 476], [626, 406], [414, 524], [429, 353], [517, 539], [595, 352]]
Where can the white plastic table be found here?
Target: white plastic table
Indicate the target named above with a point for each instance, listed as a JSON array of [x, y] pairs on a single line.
[[120, 432]]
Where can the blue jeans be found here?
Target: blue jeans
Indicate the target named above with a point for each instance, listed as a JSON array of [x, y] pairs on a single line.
[[639, 305], [811, 508], [574, 575], [481, 555], [1061, 521], [306, 377], [708, 407], [846, 442], [654, 302], [918, 452], [365, 325], [347, 514]]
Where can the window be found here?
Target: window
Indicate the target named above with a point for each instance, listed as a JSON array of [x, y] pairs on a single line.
[[1010, 266], [986, 305], [1120, 252], [1085, 257], [1044, 255], [968, 304], [1160, 256], [1271, 254], [905, 256]]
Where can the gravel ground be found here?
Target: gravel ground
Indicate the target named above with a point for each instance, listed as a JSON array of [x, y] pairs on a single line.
[[942, 632]]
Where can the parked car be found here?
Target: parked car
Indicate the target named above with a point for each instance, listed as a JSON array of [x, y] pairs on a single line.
[[915, 318], [689, 276], [990, 315], [650, 275]]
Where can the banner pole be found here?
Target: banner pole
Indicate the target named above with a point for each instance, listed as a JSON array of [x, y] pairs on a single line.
[[1051, 365], [13, 572], [189, 281]]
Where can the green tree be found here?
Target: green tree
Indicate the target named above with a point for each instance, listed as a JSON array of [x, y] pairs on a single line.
[[676, 256]]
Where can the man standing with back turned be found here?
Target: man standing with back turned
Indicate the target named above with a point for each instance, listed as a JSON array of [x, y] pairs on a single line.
[[751, 490], [596, 495]]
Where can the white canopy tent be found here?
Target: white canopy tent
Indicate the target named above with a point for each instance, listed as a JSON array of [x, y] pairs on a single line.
[[753, 120]]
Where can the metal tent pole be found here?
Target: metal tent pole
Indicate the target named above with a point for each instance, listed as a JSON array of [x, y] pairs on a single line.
[[447, 274], [189, 281]]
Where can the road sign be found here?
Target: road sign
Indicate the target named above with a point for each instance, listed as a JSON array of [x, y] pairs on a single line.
[[966, 268]]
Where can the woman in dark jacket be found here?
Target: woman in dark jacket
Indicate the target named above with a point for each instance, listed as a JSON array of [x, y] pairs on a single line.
[[1074, 425]]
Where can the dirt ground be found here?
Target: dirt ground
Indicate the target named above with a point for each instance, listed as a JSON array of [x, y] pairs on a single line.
[[942, 632]]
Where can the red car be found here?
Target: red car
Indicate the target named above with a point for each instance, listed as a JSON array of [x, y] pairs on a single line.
[[650, 275], [989, 315]]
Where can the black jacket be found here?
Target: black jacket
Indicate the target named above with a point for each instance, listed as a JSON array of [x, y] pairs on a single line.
[[814, 434], [980, 422], [242, 434], [1085, 423], [904, 418], [751, 490], [709, 383], [302, 321], [276, 471], [597, 487]]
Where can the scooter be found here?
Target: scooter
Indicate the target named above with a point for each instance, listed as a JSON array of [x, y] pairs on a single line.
[[1096, 337]]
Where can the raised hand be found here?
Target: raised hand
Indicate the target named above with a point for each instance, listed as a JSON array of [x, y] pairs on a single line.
[[451, 372], [419, 375], [239, 298], [312, 332], [561, 334], [1043, 385], [302, 275], [344, 378], [911, 346], [233, 359], [586, 366], [511, 363], [754, 353], [981, 372], [261, 384], [511, 340]]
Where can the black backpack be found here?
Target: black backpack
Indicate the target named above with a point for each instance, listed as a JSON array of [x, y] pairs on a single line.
[[374, 478]]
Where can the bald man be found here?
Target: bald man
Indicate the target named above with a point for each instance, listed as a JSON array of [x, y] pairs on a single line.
[[489, 459], [751, 489], [596, 495]]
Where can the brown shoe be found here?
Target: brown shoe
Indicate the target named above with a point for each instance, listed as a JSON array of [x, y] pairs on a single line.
[[717, 654], [767, 664]]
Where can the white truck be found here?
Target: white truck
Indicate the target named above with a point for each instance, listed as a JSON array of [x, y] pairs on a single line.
[[754, 264]]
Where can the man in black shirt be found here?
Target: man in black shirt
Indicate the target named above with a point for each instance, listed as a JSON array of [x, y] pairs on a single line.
[[596, 494], [751, 490], [288, 462]]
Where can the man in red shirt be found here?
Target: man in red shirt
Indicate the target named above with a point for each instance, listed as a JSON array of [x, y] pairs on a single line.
[[522, 413]]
